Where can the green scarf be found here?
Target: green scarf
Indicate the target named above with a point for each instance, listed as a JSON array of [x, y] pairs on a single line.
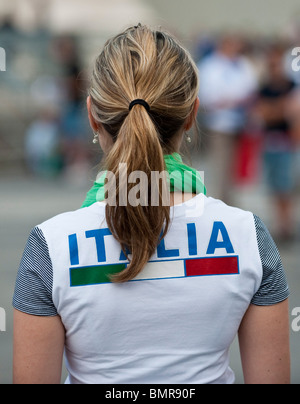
[[183, 179]]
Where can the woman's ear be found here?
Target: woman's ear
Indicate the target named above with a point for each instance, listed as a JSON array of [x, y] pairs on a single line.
[[191, 119], [105, 140], [93, 123]]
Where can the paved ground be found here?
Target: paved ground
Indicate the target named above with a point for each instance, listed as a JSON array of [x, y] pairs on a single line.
[[27, 202]]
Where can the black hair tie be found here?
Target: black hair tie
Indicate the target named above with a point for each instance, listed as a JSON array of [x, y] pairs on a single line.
[[139, 102]]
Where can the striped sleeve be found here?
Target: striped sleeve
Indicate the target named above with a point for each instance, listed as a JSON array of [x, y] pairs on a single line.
[[33, 290], [274, 287]]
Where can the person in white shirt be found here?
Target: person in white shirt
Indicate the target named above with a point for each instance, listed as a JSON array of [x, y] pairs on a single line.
[[228, 82], [149, 293]]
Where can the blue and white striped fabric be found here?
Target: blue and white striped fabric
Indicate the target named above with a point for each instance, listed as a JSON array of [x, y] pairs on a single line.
[[33, 294], [274, 287]]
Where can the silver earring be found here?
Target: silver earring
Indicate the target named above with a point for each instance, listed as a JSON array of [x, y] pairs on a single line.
[[96, 139], [188, 138]]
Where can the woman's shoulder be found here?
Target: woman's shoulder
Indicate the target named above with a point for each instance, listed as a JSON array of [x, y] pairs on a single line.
[[217, 207], [73, 220]]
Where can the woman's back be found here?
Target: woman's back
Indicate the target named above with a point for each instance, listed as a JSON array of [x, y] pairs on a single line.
[[175, 322]]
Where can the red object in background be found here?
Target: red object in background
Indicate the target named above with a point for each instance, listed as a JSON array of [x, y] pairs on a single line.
[[248, 159]]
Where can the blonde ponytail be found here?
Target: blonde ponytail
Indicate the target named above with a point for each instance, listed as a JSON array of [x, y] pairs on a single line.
[[149, 65], [137, 228]]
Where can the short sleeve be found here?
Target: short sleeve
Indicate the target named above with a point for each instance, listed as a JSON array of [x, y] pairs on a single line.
[[33, 290], [274, 287]]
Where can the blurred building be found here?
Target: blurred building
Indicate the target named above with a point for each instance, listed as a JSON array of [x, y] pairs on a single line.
[[45, 73], [36, 36]]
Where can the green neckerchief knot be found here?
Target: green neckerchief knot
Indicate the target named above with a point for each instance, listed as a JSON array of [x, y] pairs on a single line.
[[182, 179]]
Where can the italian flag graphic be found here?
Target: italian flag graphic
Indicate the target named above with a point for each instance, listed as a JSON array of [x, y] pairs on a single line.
[[158, 270]]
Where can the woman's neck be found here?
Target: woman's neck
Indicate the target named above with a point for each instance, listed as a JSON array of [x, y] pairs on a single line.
[[177, 198]]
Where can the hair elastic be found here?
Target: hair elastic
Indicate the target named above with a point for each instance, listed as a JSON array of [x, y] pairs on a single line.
[[139, 102]]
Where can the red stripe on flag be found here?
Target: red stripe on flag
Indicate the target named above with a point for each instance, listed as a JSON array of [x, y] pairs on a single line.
[[212, 266]]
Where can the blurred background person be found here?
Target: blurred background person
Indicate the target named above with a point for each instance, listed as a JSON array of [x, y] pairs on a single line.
[[74, 125], [228, 84], [292, 69], [43, 145], [294, 109], [274, 108]]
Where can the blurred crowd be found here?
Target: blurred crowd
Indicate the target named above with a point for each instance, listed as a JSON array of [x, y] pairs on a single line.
[[45, 82], [249, 118], [63, 146]]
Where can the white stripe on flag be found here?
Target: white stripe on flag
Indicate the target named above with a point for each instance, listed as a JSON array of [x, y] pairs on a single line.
[[161, 270]]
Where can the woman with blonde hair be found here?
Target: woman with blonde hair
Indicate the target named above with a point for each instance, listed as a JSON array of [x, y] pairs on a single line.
[[151, 280]]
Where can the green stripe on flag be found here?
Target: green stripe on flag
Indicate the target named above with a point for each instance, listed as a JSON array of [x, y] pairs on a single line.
[[94, 275]]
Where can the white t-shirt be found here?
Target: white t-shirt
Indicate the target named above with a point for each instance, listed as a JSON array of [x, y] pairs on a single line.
[[225, 81], [175, 322]]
